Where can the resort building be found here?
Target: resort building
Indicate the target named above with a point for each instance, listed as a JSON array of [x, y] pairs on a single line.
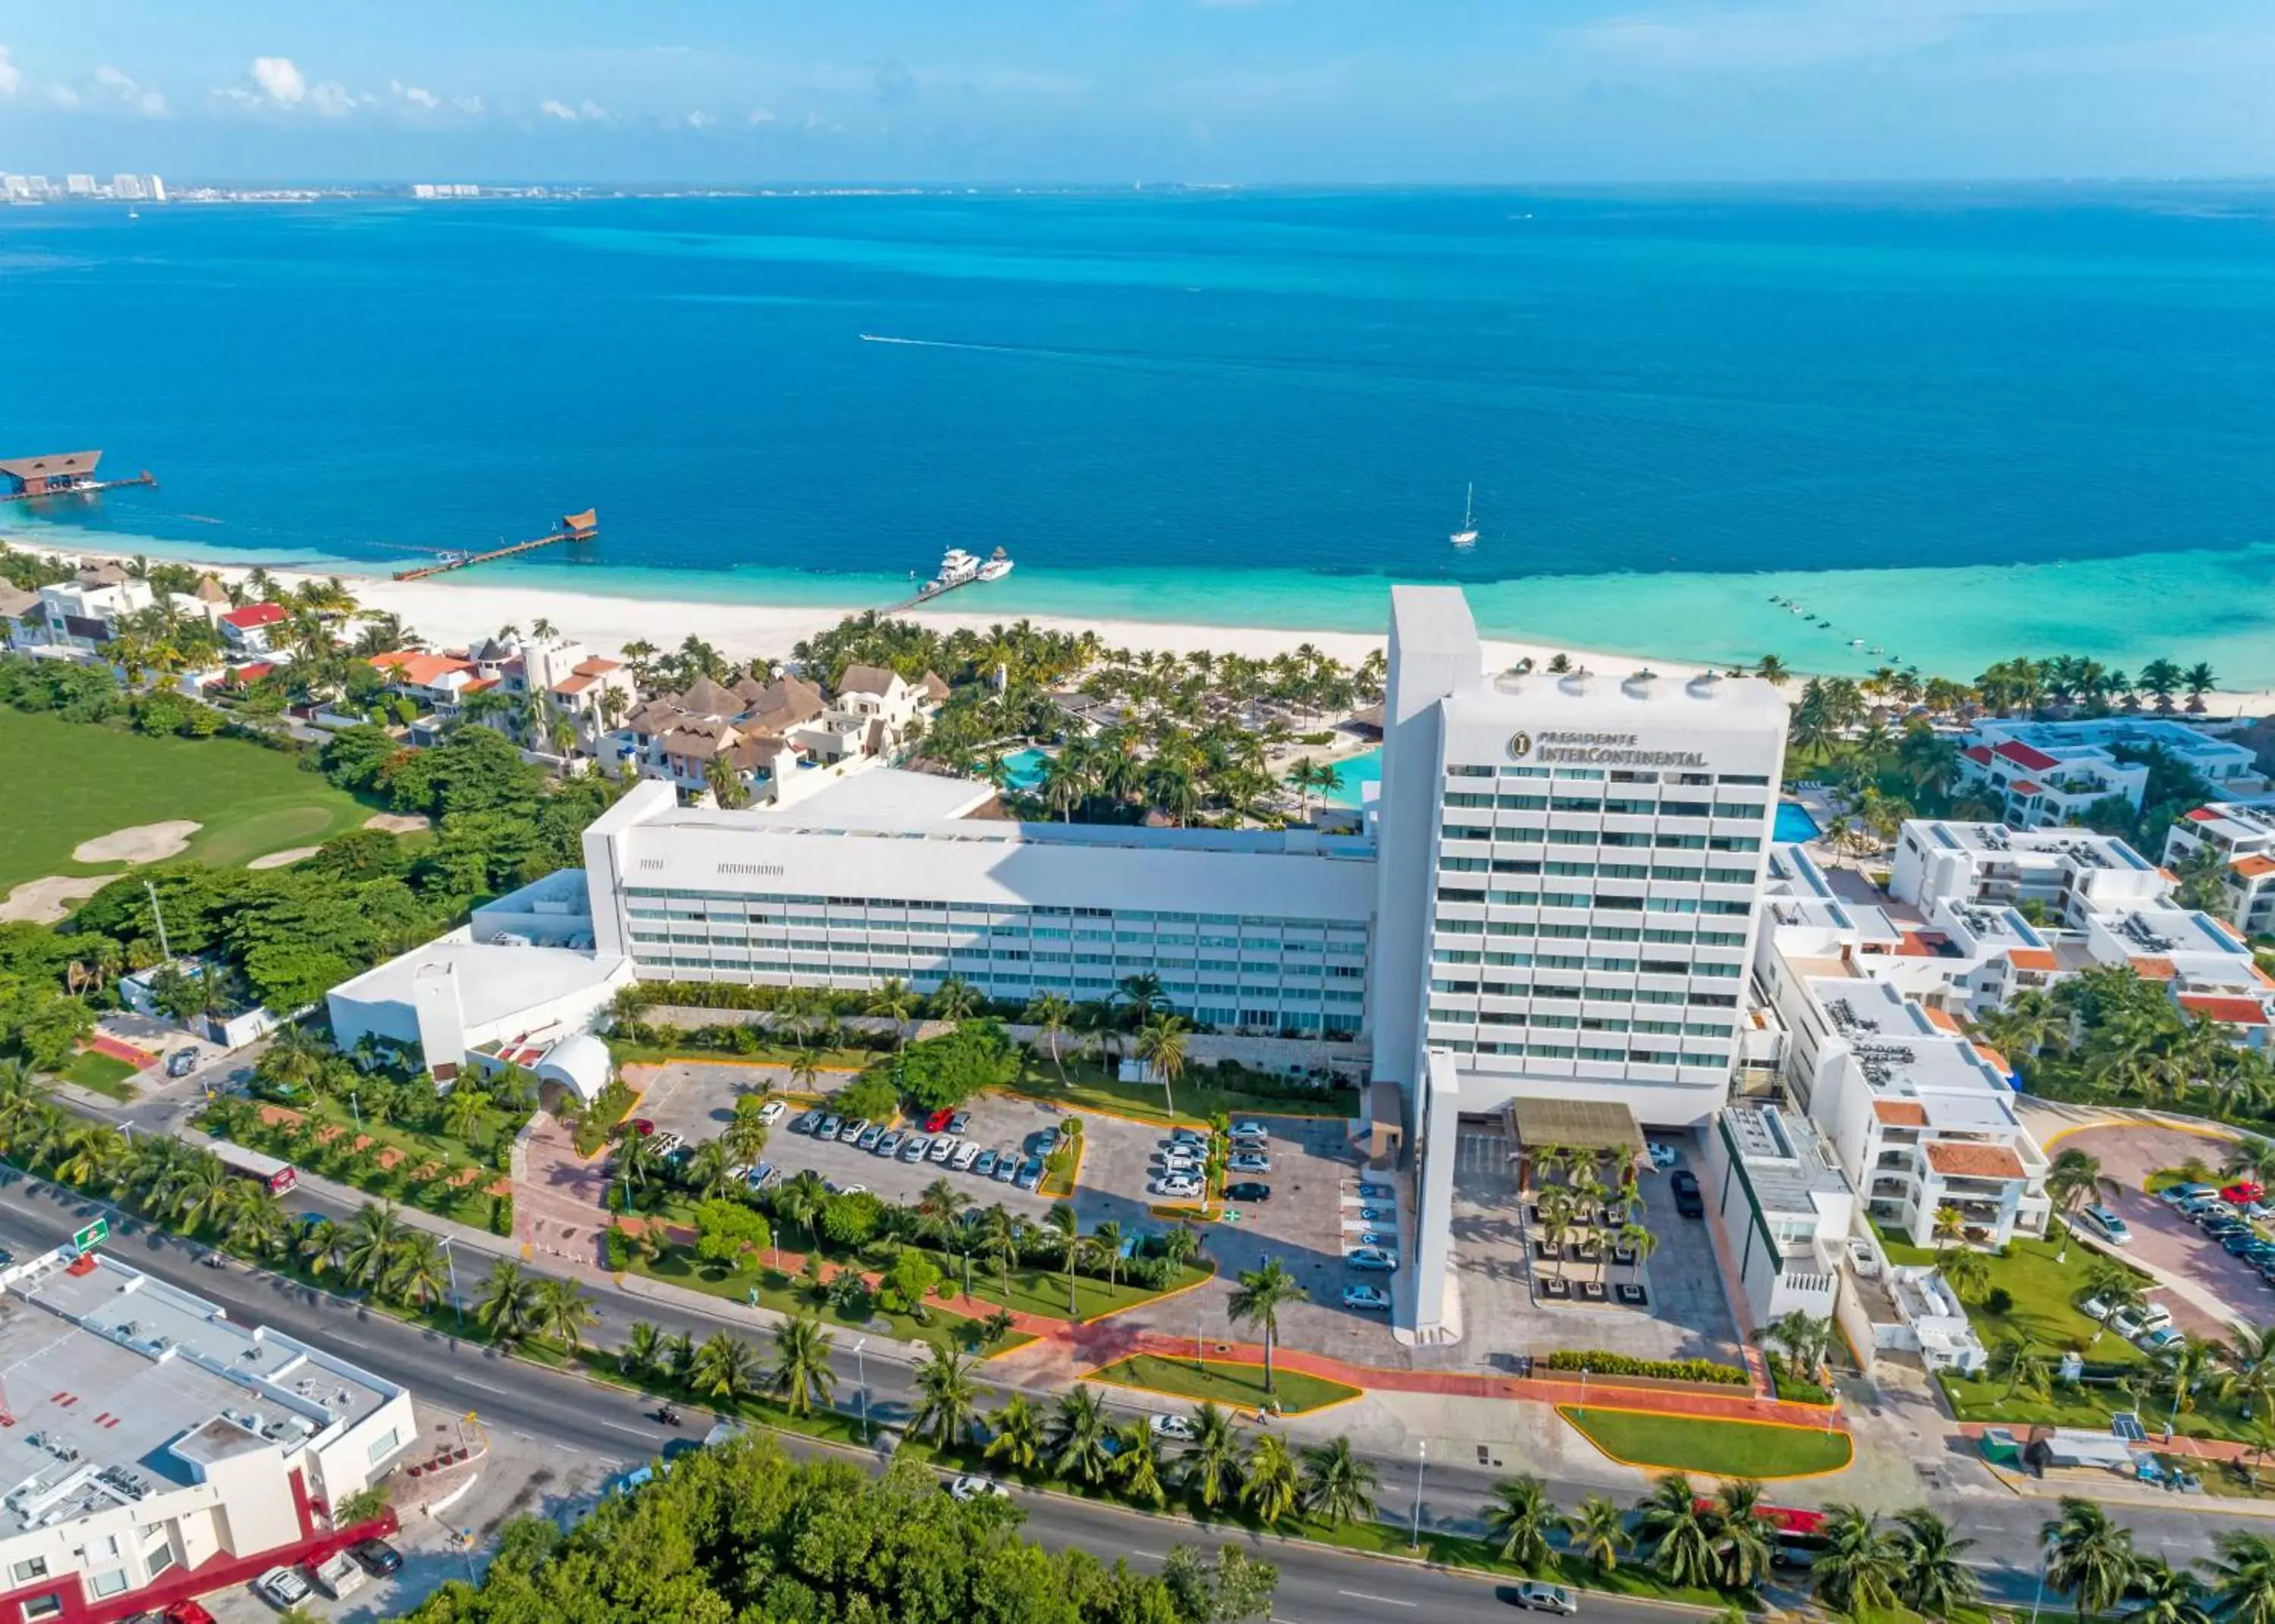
[[250, 630], [156, 1449], [2067, 873], [2244, 837], [1786, 1206], [2048, 773], [86, 611]]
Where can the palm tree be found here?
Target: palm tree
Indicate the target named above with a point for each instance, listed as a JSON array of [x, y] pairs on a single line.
[[1258, 1299], [1060, 1220], [1051, 1015], [710, 1169], [1858, 1569], [509, 1308], [1162, 1044], [1599, 1531], [1338, 1486], [2089, 1556], [1522, 1517], [950, 1398], [462, 1111], [1106, 1242], [2242, 1578], [1137, 1464], [2025, 1366], [1967, 1270], [642, 1354], [801, 1371], [564, 1313], [1142, 992], [954, 1000], [799, 1200], [1741, 1535], [1017, 1434], [2072, 1179], [418, 1274], [1210, 1468], [895, 1001], [1078, 1434], [1935, 1579], [2164, 1594], [369, 1246], [1679, 1537], [723, 1367], [1269, 1480]]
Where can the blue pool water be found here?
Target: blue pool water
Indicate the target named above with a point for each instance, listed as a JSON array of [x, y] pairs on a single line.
[[1025, 767], [1357, 773], [1793, 824]]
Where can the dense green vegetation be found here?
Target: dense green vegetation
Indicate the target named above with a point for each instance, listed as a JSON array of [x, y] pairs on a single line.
[[79, 781], [2105, 1036]]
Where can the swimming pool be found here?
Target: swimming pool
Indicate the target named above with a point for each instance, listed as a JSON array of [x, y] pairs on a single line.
[[1024, 768], [1357, 772], [1794, 826]]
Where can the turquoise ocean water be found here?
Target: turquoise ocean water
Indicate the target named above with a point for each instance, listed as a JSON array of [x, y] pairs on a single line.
[[1954, 424]]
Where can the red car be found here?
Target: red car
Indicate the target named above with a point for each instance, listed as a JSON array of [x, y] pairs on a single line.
[[938, 1121], [2243, 1192], [187, 1613], [642, 1126]]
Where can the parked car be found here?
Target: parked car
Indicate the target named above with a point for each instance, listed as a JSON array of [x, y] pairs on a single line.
[[181, 1062], [984, 1164], [2235, 1242], [379, 1559], [2163, 1338], [1687, 1201], [889, 1144], [944, 1147], [1189, 1136], [765, 1174], [1662, 1156], [937, 1122], [966, 1155], [826, 1127], [916, 1147], [960, 1123], [2111, 1227], [805, 1121], [1007, 1165], [771, 1111], [971, 1488], [1170, 1426], [2243, 1192], [2132, 1322], [187, 1613], [1031, 1173], [2181, 1195], [1373, 1298], [1372, 1258], [2094, 1309], [1250, 1130], [281, 1588], [1546, 1598], [665, 1143], [1249, 1161], [1177, 1187], [875, 1135], [1248, 1190]]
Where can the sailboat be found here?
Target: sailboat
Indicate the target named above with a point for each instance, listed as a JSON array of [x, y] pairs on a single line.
[[1467, 535]]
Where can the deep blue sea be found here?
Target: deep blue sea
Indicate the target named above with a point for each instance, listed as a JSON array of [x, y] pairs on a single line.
[[1958, 423]]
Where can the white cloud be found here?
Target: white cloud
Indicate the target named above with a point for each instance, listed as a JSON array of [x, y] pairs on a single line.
[[413, 94], [472, 105], [332, 99], [279, 80], [561, 111], [63, 95], [11, 75], [123, 88], [112, 79], [759, 115], [700, 120], [592, 111]]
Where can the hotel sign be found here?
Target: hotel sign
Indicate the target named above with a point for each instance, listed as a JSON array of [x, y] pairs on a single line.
[[1597, 750]]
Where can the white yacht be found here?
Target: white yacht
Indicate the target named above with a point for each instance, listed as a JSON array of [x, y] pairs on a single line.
[[998, 566], [1467, 535], [956, 567]]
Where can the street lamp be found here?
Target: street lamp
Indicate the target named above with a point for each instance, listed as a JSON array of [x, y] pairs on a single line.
[[1583, 1407], [861, 1375], [1421, 1463], [451, 1261]]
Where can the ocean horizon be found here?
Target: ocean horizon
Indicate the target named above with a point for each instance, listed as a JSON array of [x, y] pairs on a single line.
[[1954, 424]]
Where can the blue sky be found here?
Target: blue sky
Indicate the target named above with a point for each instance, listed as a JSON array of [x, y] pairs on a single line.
[[1113, 90]]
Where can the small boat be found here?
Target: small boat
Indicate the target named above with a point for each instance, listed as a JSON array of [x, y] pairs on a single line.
[[998, 566], [1467, 535]]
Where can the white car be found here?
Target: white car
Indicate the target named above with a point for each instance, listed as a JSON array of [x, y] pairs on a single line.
[[966, 1154], [971, 1488], [1370, 1258], [1373, 1298], [771, 1111], [1170, 1426], [1250, 1130], [944, 1147], [2094, 1307], [1249, 1161], [1662, 1156], [281, 1588], [1178, 1189]]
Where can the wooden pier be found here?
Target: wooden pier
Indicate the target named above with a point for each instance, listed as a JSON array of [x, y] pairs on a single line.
[[932, 589], [574, 527], [59, 473], [144, 478]]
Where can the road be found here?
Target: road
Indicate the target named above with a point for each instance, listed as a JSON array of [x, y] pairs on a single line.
[[1317, 1585]]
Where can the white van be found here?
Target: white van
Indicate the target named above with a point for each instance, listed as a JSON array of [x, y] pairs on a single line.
[[2107, 1225]]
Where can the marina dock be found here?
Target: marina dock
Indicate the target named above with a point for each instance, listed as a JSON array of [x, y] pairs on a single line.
[[60, 473], [957, 569], [574, 527]]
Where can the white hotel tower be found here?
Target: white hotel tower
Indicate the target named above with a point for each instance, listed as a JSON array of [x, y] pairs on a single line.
[[1558, 901], [1568, 874]]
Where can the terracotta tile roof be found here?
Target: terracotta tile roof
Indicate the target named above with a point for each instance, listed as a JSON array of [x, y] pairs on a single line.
[[2204, 814], [1974, 1161], [2233, 1011], [1943, 1019], [251, 673], [572, 684], [2023, 756], [420, 671], [1901, 1112], [2032, 958], [597, 668], [1923, 944], [255, 615], [1992, 1055], [1980, 754], [2023, 786], [2253, 867], [2153, 968]]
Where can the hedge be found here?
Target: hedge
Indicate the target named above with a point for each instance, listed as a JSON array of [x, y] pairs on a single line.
[[1597, 1362]]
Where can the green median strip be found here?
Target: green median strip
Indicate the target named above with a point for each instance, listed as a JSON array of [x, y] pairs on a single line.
[[1220, 1381], [1722, 1448]]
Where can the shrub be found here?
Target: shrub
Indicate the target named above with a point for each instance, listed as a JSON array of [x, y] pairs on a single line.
[[501, 1214], [1598, 1362], [871, 1097], [617, 1249], [1999, 1301], [947, 1070]]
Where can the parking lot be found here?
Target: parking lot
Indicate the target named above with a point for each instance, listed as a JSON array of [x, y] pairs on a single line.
[[1688, 1315]]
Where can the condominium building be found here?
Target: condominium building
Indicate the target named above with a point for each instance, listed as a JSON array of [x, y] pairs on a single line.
[[2048, 773], [2068, 872], [2244, 837], [156, 1448]]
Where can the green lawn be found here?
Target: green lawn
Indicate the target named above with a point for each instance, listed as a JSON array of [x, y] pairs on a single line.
[[81, 781], [102, 1073], [1044, 1292], [1724, 1448], [1088, 1086], [2045, 1295], [786, 1296], [1223, 1383], [469, 1203]]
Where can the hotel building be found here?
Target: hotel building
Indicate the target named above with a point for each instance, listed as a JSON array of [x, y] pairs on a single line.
[[2244, 837], [2045, 774]]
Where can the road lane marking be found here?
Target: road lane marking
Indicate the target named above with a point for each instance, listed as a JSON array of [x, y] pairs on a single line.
[[1387, 1601], [485, 1387], [618, 1427]]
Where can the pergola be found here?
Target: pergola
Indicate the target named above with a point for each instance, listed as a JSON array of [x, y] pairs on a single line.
[[1603, 1128]]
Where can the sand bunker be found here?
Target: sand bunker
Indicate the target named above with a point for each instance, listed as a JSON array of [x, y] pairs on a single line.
[[398, 823], [145, 843], [43, 901], [278, 859]]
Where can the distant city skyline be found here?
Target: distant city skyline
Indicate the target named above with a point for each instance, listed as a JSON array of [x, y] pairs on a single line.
[[1262, 91]]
